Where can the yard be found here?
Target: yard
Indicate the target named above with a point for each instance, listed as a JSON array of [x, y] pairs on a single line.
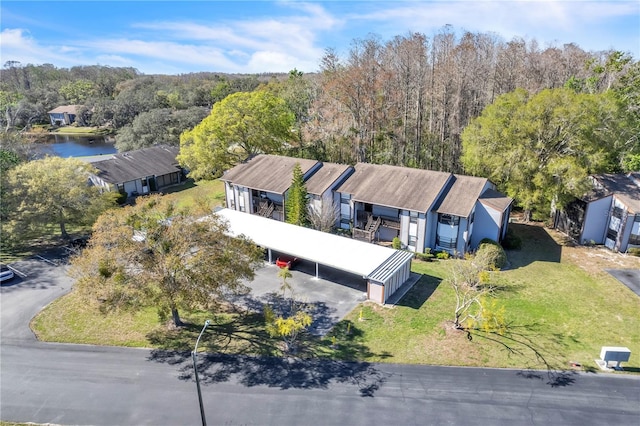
[[559, 313], [560, 304]]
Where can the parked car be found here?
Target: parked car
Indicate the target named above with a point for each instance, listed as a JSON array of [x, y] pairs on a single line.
[[6, 273], [286, 261]]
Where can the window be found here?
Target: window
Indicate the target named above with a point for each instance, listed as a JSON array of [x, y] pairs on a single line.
[[413, 241], [617, 212], [472, 217], [447, 219], [612, 234], [413, 217], [634, 239], [345, 198]]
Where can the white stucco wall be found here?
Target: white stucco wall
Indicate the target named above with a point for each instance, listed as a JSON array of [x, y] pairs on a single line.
[[596, 221]]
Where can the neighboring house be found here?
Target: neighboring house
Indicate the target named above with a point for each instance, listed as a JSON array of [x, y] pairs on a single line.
[[139, 172], [259, 185], [63, 115], [423, 208], [609, 214]]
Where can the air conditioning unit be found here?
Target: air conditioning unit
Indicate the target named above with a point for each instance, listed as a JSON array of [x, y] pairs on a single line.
[[613, 354]]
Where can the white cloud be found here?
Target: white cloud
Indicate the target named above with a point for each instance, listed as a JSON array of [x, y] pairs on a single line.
[[545, 21], [16, 44]]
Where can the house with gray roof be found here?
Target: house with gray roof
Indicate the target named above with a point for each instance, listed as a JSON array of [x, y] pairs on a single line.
[[423, 208], [139, 172], [259, 184], [63, 115], [608, 214]]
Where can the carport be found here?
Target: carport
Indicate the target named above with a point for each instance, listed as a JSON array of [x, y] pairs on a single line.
[[385, 269]]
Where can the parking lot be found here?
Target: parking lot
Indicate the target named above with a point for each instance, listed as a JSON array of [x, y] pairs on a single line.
[[330, 297]]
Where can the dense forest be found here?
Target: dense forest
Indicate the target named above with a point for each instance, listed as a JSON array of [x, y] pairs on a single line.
[[405, 101]]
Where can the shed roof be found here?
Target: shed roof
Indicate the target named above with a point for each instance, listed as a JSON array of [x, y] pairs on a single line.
[[132, 165], [325, 177], [496, 200], [270, 173], [71, 109], [462, 195], [394, 186], [625, 187], [338, 252]]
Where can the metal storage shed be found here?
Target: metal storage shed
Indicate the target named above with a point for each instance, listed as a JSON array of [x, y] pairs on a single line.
[[385, 269]]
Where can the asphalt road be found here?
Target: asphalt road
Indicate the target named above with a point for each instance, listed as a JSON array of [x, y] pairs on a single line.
[[78, 384]]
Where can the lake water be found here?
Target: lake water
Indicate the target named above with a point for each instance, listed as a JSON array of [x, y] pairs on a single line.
[[77, 146]]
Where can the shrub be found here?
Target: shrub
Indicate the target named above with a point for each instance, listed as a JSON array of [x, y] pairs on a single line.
[[634, 251], [442, 255], [427, 256], [395, 243], [492, 254], [122, 198], [511, 241]]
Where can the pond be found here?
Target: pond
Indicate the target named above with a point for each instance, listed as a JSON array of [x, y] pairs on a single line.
[[77, 146]]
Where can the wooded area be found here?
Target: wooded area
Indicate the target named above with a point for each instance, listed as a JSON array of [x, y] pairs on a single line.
[[405, 101]]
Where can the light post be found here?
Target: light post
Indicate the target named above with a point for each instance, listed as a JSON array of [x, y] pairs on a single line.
[[195, 370]]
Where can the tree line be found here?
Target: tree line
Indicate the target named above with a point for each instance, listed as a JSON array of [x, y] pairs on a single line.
[[534, 120]]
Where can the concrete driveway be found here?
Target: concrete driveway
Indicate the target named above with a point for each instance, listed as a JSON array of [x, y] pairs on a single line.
[[330, 297], [628, 277]]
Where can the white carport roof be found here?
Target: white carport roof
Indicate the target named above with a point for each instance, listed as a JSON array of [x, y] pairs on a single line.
[[338, 252]]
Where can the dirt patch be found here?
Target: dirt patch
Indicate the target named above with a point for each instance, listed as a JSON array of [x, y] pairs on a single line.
[[593, 259]]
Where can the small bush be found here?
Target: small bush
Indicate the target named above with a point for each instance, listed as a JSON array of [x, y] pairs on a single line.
[[511, 241], [634, 251], [443, 255], [395, 243], [122, 198], [493, 253], [427, 256]]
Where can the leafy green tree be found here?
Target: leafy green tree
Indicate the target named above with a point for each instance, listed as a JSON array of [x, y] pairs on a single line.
[[53, 191], [241, 125], [158, 127], [541, 148], [77, 92], [296, 203], [297, 91], [155, 254]]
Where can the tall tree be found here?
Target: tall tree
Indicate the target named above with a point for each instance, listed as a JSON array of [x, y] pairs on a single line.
[[297, 202], [54, 191], [155, 254], [541, 148], [241, 125]]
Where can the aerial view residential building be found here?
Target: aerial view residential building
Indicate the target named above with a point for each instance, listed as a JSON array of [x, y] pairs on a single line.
[[320, 213]]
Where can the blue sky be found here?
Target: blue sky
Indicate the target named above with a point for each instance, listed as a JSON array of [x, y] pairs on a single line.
[[174, 37]]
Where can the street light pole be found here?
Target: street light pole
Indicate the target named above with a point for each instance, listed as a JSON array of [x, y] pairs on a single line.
[[195, 370]]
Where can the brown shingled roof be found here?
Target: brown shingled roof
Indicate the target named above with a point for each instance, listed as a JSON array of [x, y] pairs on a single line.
[[71, 109], [393, 186], [495, 200], [132, 165], [326, 176], [270, 173], [462, 195], [625, 187]]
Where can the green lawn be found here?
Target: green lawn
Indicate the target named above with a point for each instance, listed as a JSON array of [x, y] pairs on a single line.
[[78, 130], [557, 314]]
